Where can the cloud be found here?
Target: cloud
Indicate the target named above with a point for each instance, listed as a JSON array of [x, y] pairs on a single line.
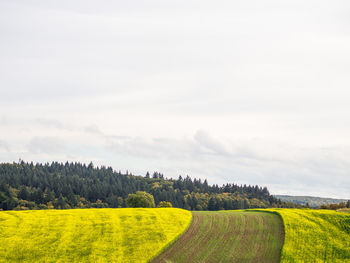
[[93, 129], [209, 143], [163, 148], [237, 91], [4, 121], [4, 146], [280, 167], [47, 145], [52, 123]]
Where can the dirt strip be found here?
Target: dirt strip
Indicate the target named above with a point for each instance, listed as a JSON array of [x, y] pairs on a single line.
[[228, 236]]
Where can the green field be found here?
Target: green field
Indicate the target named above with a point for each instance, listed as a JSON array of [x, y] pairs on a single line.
[[228, 236], [89, 235], [315, 235]]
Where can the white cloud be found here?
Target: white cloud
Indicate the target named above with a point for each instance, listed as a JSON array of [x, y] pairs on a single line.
[[4, 146], [47, 145], [93, 129], [208, 143]]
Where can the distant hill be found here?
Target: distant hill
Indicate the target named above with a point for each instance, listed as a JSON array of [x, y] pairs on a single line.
[[311, 200]]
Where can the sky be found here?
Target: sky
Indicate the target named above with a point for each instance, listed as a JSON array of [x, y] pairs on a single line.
[[247, 92]]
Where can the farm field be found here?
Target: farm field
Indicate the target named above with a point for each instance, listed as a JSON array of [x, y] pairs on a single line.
[[228, 236], [140, 234], [315, 235], [89, 235]]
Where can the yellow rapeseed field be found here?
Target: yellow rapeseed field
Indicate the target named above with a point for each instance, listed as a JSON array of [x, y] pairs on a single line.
[[315, 235], [89, 235]]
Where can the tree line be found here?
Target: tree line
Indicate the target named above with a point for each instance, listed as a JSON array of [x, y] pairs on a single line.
[[336, 206], [75, 185]]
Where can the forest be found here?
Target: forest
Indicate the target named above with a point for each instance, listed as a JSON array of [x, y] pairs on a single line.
[[75, 185]]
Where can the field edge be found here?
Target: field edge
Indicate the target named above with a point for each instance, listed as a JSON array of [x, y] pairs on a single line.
[[323, 218], [175, 251], [281, 218], [174, 239]]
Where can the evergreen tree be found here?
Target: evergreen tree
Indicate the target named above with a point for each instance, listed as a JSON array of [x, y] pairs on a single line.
[[211, 204], [64, 185]]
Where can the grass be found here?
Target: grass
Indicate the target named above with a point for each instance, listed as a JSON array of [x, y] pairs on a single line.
[[228, 236], [315, 235], [89, 235]]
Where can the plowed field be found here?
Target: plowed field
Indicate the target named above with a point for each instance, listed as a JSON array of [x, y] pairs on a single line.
[[228, 236]]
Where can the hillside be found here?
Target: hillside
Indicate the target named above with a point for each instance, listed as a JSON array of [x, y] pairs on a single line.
[[228, 236], [311, 200], [315, 235], [75, 185], [257, 236], [89, 235], [174, 235]]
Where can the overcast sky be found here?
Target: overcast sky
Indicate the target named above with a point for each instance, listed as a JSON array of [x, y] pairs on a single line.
[[251, 92]]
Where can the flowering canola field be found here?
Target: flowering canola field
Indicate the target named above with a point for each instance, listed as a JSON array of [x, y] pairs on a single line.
[[139, 234], [89, 235], [315, 235]]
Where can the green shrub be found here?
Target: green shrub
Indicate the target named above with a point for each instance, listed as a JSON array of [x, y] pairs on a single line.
[[165, 204], [140, 199]]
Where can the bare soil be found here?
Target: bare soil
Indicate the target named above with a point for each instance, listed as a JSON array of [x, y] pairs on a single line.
[[228, 236]]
